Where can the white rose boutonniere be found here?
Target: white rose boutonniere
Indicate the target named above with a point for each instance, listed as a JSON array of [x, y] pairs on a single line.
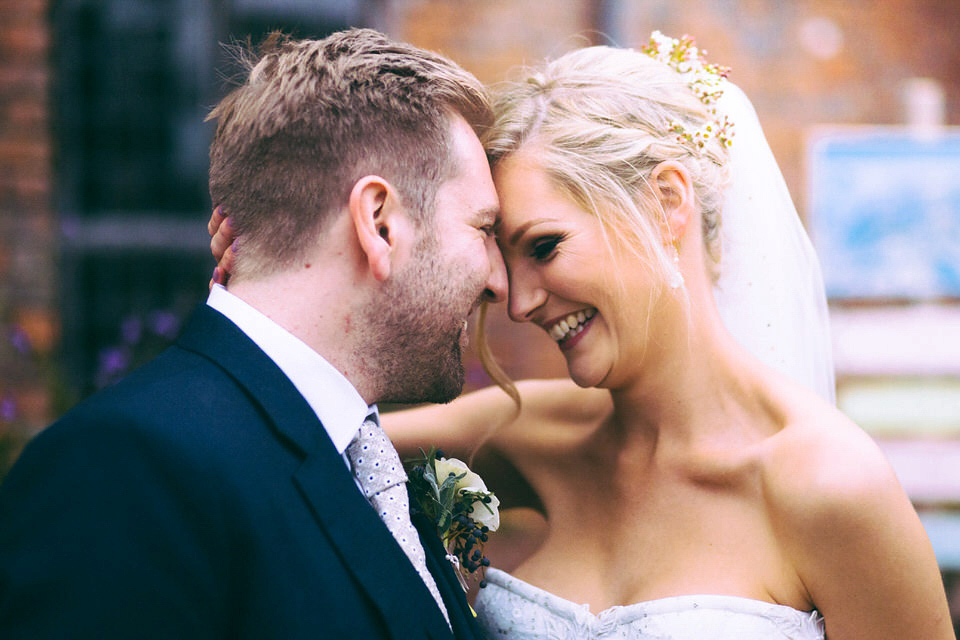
[[485, 508], [458, 503]]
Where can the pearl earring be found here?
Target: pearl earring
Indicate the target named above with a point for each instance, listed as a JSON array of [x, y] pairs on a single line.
[[676, 278]]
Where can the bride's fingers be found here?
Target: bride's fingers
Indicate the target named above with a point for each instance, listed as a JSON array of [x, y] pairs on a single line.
[[221, 239], [221, 273], [219, 276], [216, 219], [226, 263], [223, 246]]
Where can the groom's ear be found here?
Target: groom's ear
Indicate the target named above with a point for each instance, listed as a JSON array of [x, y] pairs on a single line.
[[380, 222], [673, 188]]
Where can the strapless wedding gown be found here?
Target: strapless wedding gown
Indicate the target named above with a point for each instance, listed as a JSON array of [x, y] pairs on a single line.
[[510, 609]]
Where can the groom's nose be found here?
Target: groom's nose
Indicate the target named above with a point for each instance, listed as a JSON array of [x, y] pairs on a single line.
[[496, 286]]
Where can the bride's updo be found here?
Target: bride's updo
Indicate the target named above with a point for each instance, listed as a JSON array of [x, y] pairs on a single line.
[[600, 119]]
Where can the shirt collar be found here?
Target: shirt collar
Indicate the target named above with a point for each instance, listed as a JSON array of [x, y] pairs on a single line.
[[332, 397]]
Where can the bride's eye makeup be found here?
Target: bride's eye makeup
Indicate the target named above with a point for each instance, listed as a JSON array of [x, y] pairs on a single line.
[[544, 248]]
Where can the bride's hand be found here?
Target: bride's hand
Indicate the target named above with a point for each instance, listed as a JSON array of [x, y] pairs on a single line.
[[223, 245]]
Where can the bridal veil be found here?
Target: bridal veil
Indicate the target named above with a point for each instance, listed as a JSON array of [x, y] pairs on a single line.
[[770, 291]]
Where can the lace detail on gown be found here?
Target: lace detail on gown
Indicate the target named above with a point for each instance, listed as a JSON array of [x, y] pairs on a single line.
[[511, 609]]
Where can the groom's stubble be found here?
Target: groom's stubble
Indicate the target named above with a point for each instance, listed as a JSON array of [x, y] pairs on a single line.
[[418, 324]]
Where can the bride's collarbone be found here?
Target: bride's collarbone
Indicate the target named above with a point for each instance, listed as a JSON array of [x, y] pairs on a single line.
[[604, 451], [623, 486]]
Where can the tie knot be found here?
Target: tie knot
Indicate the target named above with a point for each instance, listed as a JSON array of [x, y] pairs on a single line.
[[374, 460]]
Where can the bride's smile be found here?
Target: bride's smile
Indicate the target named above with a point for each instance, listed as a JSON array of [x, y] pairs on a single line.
[[570, 326]]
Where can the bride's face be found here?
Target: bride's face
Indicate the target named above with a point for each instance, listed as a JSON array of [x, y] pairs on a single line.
[[564, 276]]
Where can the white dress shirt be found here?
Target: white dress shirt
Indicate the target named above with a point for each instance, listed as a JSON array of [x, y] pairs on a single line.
[[332, 397]]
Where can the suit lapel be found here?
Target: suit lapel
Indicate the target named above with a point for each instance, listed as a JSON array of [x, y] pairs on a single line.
[[364, 543], [212, 335], [369, 549], [462, 617]]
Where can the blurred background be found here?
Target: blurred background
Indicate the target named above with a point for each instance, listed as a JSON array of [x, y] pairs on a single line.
[[103, 198]]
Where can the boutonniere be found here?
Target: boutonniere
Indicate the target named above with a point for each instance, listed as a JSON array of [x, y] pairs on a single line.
[[461, 508]]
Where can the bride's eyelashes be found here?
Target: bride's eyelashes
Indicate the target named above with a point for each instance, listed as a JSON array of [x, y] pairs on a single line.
[[545, 248]]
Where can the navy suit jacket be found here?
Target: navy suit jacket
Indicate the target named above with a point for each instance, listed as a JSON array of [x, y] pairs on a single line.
[[200, 497]]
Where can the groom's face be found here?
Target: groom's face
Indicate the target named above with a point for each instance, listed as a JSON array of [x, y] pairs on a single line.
[[455, 266]]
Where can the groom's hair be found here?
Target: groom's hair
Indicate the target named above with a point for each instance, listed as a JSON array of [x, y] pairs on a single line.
[[314, 116]]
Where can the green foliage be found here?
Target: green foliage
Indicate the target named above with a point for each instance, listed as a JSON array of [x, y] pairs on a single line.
[[449, 494]]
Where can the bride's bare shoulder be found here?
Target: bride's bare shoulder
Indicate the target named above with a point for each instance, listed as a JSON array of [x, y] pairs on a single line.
[[821, 461], [849, 528]]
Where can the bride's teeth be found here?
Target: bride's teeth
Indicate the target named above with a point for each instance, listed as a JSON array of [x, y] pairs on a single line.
[[571, 325]]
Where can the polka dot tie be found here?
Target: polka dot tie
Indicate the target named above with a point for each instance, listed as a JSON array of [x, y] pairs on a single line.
[[377, 468]]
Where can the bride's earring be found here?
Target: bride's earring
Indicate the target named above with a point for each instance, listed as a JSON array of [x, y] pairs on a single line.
[[676, 279]]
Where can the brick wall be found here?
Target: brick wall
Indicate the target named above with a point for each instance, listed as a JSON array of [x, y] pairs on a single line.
[[780, 50], [27, 224]]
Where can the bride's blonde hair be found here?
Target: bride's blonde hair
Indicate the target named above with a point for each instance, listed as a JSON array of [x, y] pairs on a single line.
[[600, 119]]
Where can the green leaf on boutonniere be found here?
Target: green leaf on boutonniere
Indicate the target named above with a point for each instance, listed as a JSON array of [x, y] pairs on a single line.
[[457, 501]]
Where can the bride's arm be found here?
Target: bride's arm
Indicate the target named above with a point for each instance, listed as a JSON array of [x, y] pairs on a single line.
[[488, 427], [491, 417], [457, 428]]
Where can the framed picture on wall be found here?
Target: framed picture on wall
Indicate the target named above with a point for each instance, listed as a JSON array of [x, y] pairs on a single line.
[[884, 212]]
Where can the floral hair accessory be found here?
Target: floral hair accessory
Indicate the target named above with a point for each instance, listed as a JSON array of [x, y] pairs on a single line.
[[458, 503], [704, 80]]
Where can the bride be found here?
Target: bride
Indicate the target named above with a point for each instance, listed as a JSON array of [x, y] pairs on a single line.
[[691, 489], [695, 479]]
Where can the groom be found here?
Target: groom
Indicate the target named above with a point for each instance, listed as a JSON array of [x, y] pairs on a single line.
[[215, 493]]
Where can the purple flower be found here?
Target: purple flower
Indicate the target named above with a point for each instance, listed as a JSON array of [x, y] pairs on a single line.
[[164, 324], [114, 362], [19, 339], [8, 409]]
